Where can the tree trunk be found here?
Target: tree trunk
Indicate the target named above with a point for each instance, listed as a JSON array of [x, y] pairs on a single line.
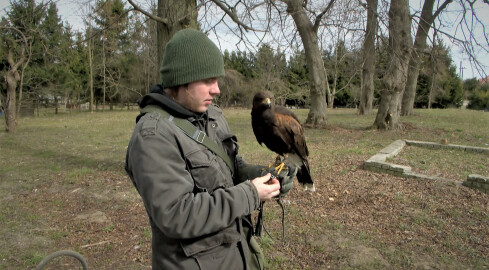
[[318, 80], [368, 69], [12, 77], [55, 104], [432, 87], [427, 18], [395, 77], [180, 14], [21, 83], [90, 72], [332, 93], [412, 81], [104, 86]]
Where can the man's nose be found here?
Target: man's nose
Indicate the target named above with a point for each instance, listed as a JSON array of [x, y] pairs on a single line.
[[215, 88]]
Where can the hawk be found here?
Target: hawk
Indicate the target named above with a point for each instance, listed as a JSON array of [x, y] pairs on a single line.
[[279, 129]]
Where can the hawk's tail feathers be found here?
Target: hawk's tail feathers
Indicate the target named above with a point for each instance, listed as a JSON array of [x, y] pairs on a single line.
[[304, 177]]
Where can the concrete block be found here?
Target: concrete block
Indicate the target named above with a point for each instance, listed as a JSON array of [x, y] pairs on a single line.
[[385, 166], [378, 158], [478, 178], [411, 142], [400, 168], [393, 149]]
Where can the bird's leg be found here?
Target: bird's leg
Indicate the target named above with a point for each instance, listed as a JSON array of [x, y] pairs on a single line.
[[279, 168], [281, 164]]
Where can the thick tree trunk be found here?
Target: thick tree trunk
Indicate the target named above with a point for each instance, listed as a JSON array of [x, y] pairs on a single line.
[[318, 80], [415, 61], [395, 78], [368, 69], [179, 14], [12, 78], [409, 95], [427, 18]]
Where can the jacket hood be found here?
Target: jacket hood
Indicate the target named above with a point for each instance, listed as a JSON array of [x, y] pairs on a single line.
[[158, 97]]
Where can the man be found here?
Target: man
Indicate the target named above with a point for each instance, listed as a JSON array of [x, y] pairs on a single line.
[[197, 200]]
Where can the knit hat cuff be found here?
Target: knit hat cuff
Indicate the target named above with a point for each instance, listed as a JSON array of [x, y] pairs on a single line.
[[190, 56]]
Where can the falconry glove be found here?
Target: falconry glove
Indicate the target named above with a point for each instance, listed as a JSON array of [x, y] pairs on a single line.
[[286, 178], [284, 175]]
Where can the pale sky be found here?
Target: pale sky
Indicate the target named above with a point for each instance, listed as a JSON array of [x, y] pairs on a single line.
[[73, 12]]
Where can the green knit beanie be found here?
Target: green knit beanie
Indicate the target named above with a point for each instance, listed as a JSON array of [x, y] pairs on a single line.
[[190, 56]]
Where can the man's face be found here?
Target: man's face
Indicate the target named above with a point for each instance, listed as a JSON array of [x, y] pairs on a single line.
[[198, 95]]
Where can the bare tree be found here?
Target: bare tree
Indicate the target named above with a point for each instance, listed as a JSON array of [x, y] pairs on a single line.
[[341, 31], [16, 58], [395, 77], [318, 80], [174, 15], [368, 67], [425, 22]]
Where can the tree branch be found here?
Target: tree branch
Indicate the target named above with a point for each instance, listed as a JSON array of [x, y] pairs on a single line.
[[10, 59], [153, 17], [231, 12], [441, 8], [319, 17]]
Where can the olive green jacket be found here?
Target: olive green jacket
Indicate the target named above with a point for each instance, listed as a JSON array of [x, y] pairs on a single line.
[[195, 208]]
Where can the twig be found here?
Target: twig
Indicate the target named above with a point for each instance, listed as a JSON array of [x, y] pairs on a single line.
[[95, 244]]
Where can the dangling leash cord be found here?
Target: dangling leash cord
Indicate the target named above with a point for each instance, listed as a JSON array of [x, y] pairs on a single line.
[[68, 253], [260, 224]]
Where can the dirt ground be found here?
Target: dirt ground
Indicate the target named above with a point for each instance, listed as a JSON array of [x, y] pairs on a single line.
[[356, 220]]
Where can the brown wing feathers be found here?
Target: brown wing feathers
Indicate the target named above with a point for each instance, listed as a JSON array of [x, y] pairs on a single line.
[[280, 130], [292, 130]]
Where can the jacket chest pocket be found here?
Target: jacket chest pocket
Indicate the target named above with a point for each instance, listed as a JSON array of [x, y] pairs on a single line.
[[206, 171]]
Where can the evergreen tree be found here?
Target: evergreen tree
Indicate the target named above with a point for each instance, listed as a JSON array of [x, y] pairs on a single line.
[[56, 43], [438, 84], [271, 69], [470, 86], [479, 99], [111, 19], [76, 71], [296, 76], [24, 19], [242, 62]]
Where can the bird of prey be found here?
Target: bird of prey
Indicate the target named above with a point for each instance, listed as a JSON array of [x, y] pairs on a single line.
[[279, 129]]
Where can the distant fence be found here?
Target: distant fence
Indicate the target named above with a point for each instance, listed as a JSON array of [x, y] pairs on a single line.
[[29, 110]]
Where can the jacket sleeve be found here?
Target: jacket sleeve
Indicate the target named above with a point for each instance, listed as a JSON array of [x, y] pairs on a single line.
[[248, 171], [159, 172]]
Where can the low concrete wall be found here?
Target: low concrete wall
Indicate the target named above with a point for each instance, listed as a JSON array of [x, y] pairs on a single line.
[[478, 182], [448, 146], [378, 163]]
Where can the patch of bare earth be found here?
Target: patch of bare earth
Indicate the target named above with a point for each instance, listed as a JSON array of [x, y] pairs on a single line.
[[355, 220], [106, 223], [359, 219]]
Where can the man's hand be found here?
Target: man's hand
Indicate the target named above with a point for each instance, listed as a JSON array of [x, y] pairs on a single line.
[[285, 177], [267, 186]]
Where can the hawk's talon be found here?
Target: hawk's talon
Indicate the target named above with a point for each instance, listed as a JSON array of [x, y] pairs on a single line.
[[279, 168]]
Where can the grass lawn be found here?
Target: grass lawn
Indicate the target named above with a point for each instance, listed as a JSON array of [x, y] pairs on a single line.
[[62, 186]]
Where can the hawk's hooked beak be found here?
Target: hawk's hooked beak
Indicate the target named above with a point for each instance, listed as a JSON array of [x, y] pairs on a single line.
[[267, 102]]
